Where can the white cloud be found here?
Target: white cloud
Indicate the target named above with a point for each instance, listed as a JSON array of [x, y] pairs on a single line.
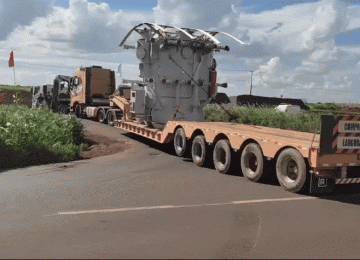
[[353, 14], [20, 12], [199, 14], [84, 25], [272, 75], [291, 50], [330, 20]]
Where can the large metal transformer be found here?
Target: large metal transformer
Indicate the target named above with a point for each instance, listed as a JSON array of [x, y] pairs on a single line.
[[178, 72]]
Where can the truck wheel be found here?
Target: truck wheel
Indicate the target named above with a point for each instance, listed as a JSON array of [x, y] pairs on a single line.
[[77, 111], [291, 170], [198, 150], [180, 142], [252, 162], [222, 156], [101, 116], [110, 117], [64, 109], [61, 109]]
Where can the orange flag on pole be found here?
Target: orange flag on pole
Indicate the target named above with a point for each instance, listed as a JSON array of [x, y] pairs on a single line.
[[11, 60]]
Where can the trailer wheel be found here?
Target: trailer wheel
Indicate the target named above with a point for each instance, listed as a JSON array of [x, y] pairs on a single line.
[[252, 162], [101, 117], [180, 142], [111, 117], [222, 156], [198, 150], [291, 170]]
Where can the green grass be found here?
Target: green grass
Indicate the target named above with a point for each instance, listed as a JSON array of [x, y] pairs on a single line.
[[324, 108], [309, 121], [37, 136], [15, 88]]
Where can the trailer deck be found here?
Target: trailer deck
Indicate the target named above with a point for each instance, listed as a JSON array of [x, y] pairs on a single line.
[[270, 139]]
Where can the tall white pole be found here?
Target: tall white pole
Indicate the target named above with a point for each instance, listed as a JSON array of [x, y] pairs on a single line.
[[14, 76]]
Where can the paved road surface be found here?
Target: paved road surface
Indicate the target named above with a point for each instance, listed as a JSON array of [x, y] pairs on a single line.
[[147, 203]]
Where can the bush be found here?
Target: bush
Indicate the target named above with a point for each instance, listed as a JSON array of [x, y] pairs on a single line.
[[304, 122], [37, 136]]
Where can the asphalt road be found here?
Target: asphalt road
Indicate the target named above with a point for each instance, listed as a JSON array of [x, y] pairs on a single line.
[[147, 203]]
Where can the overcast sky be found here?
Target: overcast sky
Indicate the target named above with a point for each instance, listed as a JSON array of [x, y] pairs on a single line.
[[303, 49]]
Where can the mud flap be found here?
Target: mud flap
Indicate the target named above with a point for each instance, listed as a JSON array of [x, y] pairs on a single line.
[[320, 185]]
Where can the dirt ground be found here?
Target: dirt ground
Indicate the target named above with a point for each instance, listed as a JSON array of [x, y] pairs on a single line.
[[101, 146], [7, 97]]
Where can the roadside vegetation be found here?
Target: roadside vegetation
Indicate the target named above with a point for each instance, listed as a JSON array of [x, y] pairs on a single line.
[[37, 136], [309, 121], [15, 88]]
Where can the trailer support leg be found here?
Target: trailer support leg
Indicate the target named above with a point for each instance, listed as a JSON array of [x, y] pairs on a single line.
[[343, 172]]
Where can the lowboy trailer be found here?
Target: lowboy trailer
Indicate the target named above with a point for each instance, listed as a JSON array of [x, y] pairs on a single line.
[[301, 162], [179, 80]]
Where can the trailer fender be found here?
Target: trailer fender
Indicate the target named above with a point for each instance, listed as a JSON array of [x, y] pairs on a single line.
[[218, 137]]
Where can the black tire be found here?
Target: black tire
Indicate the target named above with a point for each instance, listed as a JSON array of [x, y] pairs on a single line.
[[111, 117], [101, 116], [78, 111], [180, 142], [252, 162], [222, 156], [64, 109], [61, 109], [291, 170], [198, 150]]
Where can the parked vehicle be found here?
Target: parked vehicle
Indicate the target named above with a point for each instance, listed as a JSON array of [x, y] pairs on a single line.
[[61, 94], [55, 97], [41, 96]]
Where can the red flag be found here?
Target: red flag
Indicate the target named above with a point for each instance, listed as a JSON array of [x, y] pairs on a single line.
[[11, 60]]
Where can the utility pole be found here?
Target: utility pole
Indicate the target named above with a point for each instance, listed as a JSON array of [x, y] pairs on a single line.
[[250, 79], [251, 82]]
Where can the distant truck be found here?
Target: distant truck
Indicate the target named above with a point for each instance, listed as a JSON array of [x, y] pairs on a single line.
[[41, 96], [55, 97], [62, 86], [91, 94]]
